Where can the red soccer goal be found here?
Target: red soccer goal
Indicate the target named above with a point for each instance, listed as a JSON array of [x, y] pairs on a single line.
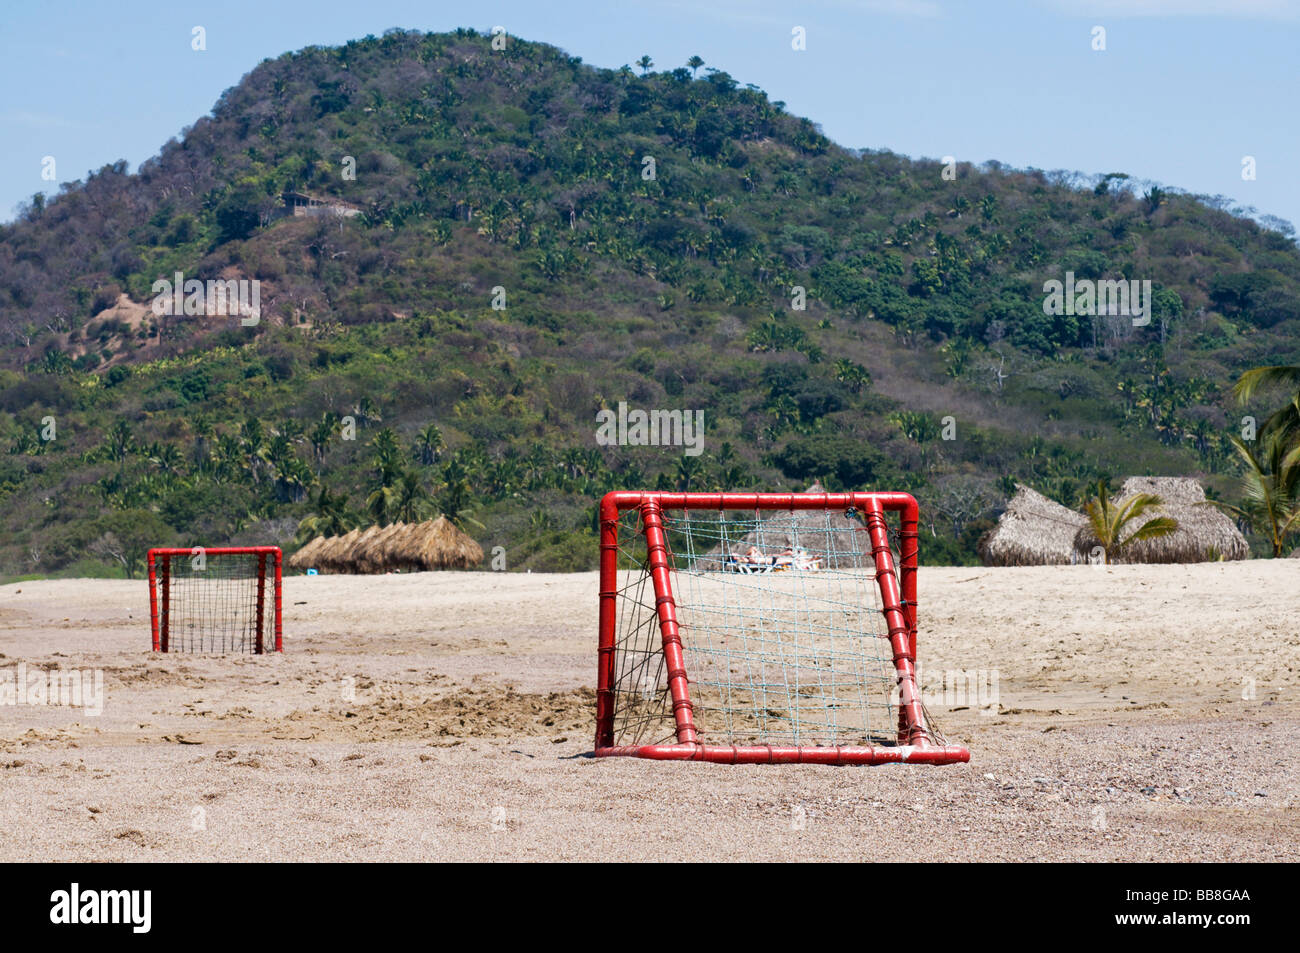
[[761, 628], [215, 600]]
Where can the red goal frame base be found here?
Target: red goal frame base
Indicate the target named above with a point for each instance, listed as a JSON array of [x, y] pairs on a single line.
[[898, 591], [770, 754]]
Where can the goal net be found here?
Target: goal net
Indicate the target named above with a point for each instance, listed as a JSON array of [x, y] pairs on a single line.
[[215, 600], [761, 628]]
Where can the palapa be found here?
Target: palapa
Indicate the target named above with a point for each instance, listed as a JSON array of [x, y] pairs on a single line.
[[398, 547], [1204, 533], [1032, 531]]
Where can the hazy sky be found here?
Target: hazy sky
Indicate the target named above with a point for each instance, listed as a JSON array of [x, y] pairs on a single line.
[[1183, 91]]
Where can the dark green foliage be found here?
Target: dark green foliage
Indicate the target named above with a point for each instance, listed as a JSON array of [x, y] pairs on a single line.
[[848, 462]]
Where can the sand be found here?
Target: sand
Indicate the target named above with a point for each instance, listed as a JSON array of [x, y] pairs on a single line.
[[1142, 713]]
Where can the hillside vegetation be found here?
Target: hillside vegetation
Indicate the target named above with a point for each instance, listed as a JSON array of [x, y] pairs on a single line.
[[539, 239]]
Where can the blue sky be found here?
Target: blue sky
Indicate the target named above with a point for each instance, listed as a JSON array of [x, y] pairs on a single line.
[[1183, 90]]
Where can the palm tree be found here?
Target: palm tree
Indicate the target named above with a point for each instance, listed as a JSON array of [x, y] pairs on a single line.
[[694, 63], [279, 450], [291, 430], [645, 63], [916, 425], [292, 478], [331, 517], [166, 458], [457, 494], [226, 457], [252, 439], [854, 375], [379, 504], [688, 469], [26, 442], [428, 445], [203, 434], [574, 460], [1109, 520], [120, 441], [386, 456], [784, 411], [320, 436], [503, 476], [252, 433], [1286, 420], [410, 501], [1271, 487], [366, 412]]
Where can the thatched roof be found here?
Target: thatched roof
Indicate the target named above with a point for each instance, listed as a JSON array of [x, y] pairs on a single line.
[[437, 544], [305, 558], [1204, 533], [373, 556], [410, 547], [1033, 531], [334, 552]]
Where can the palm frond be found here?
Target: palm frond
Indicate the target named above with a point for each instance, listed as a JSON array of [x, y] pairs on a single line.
[[1291, 461], [1135, 506], [1291, 524], [1228, 508], [1246, 453], [1153, 528], [1261, 378]]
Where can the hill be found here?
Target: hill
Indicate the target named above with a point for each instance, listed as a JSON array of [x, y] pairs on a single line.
[[522, 240]]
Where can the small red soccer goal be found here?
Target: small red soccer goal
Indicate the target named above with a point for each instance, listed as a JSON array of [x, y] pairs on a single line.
[[215, 600], [761, 628]]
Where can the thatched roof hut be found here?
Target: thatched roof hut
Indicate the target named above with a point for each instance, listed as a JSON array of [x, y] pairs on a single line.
[[305, 558], [413, 547], [436, 544], [333, 555], [1033, 531], [356, 553], [1204, 533], [372, 555]]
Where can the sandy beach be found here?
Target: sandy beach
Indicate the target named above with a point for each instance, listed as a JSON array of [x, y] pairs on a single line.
[[1142, 713]]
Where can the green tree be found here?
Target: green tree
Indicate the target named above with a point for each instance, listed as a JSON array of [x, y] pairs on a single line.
[[410, 501], [457, 497], [121, 442], [380, 504], [428, 445], [237, 214], [329, 517], [320, 436], [1285, 421], [125, 536], [689, 469], [916, 425], [852, 463], [166, 458], [853, 375], [385, 457], [293, 477], [1270, 486]]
